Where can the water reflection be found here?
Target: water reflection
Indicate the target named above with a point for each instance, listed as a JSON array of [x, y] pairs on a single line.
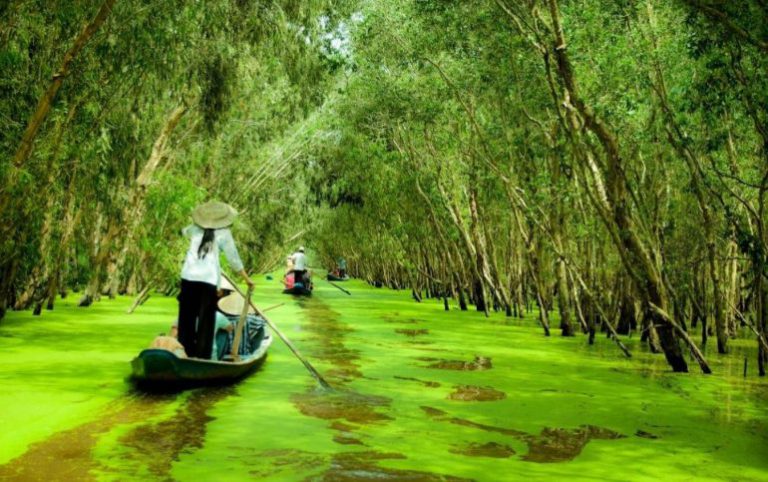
[[158, 444], [342, 404], [288, 459], [363, 466], [328, 345], [412, 333], [68, 455], [154, 445], [490, 449], [345, 405], [426, 383], [479, 363], [470, 393]]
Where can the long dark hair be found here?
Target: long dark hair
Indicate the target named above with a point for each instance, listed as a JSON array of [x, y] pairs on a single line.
[[205, 244]]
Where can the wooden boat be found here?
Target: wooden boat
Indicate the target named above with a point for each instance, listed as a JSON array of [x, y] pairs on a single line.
[[163, 369], [333, 277], [298, 290]]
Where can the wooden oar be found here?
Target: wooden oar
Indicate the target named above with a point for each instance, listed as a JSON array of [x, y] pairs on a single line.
[[337, 286], [288, 343]]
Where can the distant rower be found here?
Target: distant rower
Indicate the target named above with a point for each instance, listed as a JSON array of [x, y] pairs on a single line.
[[300, 265]]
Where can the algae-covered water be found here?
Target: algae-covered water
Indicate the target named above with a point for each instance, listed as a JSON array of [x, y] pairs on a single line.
[[419, 394]]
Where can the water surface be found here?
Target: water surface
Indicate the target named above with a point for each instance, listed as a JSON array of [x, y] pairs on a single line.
[[419, 394]]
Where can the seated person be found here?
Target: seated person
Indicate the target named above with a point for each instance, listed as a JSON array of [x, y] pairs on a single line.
[[225, 288], [230, 309], [170, 342], [288, 281], [221, 332]]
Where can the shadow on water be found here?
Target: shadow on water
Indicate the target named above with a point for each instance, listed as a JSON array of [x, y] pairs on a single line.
[[69, 455], [551, 445], [344, 408]]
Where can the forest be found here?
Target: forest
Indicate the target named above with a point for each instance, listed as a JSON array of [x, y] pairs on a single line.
[[544, 225], [600, 163]]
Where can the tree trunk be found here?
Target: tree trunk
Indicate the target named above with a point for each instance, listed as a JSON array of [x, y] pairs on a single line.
[[635, 255], [134, 210], [46, 101]]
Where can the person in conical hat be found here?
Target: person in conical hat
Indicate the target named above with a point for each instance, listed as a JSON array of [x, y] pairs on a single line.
[[225, 288], [201, 274], [300, 266], [227, 317], [232, 305]]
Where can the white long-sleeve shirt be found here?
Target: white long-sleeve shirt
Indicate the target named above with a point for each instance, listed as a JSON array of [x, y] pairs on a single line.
[[207, 269], [299, 261]]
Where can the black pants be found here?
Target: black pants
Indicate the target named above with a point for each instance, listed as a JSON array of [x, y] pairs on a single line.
[[197, 317], [298, 276]]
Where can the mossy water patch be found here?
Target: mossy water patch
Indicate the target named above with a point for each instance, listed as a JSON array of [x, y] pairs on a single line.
[[364, 466], [412, 333], [562, 445], [479, 363], [551, 445], [426, 383], [341, 405], [471, 393], [488, 449]]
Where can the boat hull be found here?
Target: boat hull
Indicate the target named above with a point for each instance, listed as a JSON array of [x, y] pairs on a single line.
[[297, 291], [331, 277], [162, 368]]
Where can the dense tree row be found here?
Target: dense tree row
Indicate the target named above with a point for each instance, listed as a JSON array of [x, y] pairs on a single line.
[[604, 160], [117, 117], [601, 163]]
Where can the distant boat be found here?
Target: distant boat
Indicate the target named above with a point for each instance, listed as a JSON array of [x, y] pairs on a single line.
[[156, 368], [299, 289], [333, 277], [291, 288]]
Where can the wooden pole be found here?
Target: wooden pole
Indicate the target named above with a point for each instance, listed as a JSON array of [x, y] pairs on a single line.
[[337, 286], [288, 343], [240, 326]]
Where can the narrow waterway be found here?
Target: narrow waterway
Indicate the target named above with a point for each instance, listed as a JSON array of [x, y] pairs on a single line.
[[418, 394]]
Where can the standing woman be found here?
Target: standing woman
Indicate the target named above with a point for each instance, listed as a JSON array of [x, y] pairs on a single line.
[[201, 275]]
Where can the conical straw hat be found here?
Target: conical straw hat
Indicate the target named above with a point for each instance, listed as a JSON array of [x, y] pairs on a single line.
[[214, 215], [226, 285], [233, 305]]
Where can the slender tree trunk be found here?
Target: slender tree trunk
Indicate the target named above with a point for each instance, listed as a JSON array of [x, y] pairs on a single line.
[[46, 101], [636, 257], [134, 210], [681, 143]]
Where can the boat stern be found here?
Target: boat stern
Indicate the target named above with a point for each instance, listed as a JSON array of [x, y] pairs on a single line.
[[154, 365]]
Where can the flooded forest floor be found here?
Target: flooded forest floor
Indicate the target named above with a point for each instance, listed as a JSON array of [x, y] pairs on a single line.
[[419, 394]]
